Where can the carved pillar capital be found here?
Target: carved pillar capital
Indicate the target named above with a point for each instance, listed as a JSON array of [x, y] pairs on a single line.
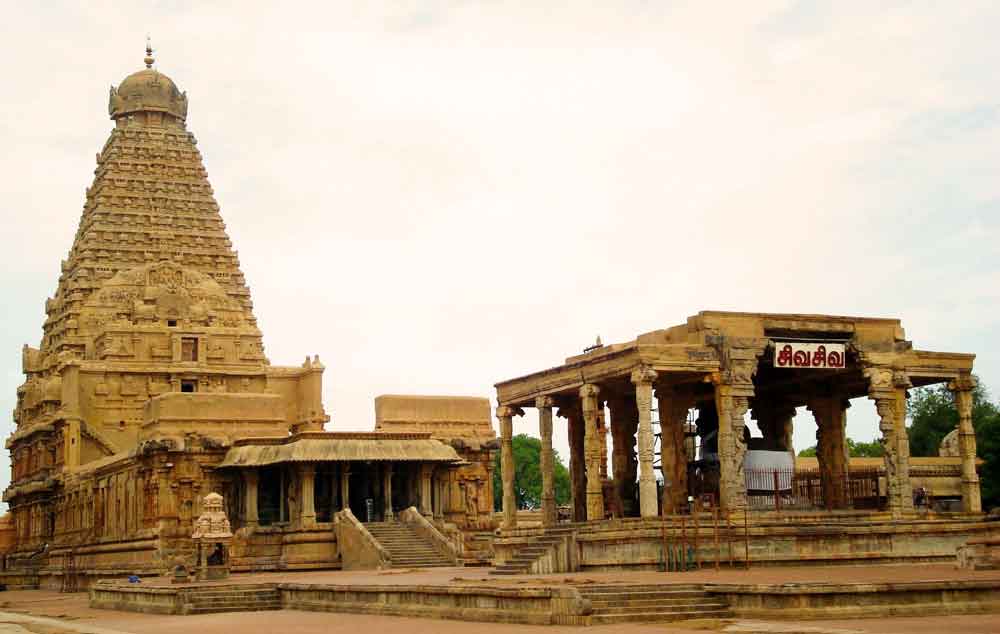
[[544, 402], [644, 375], [589, 391], [963, 383], [509, 411]]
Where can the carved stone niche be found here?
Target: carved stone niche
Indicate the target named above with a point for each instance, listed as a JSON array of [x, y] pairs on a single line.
[[213, 538]]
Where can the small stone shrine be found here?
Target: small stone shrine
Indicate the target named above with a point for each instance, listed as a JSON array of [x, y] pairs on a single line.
[[212, 538]]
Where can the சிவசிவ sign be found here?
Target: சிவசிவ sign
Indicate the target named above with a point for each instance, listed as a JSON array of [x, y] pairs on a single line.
[[808, 355]]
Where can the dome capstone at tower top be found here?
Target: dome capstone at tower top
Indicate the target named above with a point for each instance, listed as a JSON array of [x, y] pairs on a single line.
[[147, 91]]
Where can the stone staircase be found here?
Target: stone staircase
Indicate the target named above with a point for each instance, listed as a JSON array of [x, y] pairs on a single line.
[[651, 603], [211, 599], [407, 549], [529, 553], [478, 549]]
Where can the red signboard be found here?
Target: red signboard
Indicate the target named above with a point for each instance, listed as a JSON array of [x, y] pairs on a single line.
[[809, 355]]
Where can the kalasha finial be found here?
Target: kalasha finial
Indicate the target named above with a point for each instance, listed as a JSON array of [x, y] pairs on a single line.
[[149, 53]]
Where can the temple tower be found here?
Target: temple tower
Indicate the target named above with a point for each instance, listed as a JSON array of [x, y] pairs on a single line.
[[150, 335]]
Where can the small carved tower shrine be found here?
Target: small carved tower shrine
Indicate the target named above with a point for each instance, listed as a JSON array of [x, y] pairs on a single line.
[[212, 538]]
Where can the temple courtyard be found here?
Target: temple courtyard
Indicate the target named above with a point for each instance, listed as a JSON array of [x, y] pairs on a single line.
[[50, 612]]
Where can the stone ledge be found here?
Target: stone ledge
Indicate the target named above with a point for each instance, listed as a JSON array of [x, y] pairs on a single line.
[[528, 606], [859, 600]]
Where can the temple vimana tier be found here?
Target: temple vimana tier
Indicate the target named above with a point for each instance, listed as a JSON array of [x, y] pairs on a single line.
[[153, 435], [151, 389]]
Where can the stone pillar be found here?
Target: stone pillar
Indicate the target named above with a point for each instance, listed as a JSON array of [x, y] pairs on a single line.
[[962, 388], [387, 514], [624, 423], [426, 497], [887, 388], [544, 405], [577, 461], [506, 416], [732, 448], [592, 451], [440, 482], [733, 390], [673, 406], [307, 487], [643, 378], [334, 490], [165, 504], [602, 438], [345, 485], [831, 443]]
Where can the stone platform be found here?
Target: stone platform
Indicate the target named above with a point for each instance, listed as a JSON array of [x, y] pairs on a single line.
[[858, 600], [580, 599], [768, 539]]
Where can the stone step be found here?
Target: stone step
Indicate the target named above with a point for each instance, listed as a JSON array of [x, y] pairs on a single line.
[[699, 606], [602, 605], [235, 608], [232, 600], [405, 547], [654, 617], [229, 600], [621, 587], [413, 551], [660, 601], [236, 593], [225, 605], [271, 596], [641, 594]]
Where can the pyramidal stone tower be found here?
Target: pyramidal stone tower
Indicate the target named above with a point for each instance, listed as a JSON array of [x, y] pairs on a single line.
[[150, 355]]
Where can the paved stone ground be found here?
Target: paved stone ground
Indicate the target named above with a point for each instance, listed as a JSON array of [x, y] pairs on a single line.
[[47, 612]]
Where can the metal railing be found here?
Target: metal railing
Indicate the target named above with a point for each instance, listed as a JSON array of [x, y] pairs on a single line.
[[777, 489], [788, 489]]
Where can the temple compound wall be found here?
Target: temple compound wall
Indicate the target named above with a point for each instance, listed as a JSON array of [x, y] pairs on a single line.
[[151, 389]]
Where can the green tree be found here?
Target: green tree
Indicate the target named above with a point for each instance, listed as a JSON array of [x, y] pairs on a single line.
[[856, 449], [861, 449], [933, 415], [528, 475]]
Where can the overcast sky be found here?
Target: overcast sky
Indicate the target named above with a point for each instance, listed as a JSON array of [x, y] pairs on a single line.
[[435, 196]]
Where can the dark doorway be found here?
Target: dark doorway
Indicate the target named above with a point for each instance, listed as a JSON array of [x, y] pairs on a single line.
[[271, 496]]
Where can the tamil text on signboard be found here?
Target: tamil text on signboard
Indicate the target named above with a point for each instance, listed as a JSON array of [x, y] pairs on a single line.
[[808, 355]]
